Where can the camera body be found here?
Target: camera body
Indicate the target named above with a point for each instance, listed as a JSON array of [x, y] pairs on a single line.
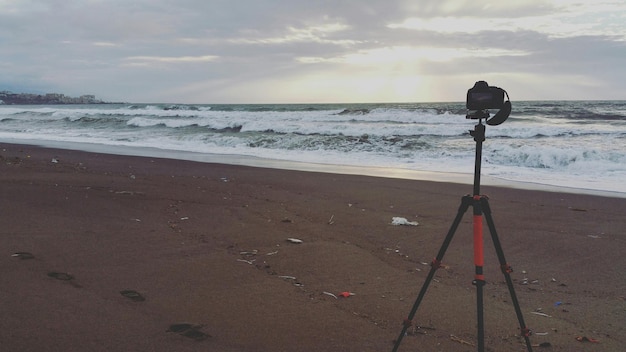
[[483, 96]]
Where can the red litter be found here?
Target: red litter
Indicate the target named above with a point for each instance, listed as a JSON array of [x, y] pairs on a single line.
[[586, 339]]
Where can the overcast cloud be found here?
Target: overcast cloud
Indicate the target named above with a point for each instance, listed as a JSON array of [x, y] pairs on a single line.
[[289, 51]]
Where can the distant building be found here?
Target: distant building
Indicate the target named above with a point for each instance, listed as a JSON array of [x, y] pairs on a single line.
[[9, 98]]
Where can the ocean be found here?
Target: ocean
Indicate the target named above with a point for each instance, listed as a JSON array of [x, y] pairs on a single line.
[[580, 145]]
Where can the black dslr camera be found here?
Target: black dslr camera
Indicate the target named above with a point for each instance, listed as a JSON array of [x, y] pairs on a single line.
[[482, 97]]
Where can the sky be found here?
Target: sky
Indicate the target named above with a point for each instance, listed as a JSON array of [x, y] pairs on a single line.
[[313, 51]]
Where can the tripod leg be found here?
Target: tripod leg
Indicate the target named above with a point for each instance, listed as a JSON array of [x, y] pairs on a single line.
[[506, 270], [436, 263]]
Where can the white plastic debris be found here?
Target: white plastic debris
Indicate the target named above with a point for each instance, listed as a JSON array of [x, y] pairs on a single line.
[[397, 221], [330, 294], [294, 240]]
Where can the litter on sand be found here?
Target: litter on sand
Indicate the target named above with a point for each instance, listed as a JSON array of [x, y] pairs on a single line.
[[23, 255], [294, 240], [586, 339], [541, 314], [397, 221], [461, 341], [330, 221], [344, 294], [252, 252], [246, 261], [330, 294], [543, 344]]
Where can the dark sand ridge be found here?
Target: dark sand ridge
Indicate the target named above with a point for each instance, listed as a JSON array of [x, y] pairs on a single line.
[[205, 244]]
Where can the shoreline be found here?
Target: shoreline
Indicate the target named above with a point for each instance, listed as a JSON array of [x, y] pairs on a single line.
[[242, 160], [207, 245]]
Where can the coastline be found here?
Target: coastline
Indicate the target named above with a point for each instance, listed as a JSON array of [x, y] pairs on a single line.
[[206, 244], [242, 160]]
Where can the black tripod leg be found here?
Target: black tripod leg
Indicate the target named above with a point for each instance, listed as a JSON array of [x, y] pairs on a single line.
[[436, 263], [506, 270]]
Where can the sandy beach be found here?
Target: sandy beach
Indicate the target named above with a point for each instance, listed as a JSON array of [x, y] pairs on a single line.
[[202, 255]]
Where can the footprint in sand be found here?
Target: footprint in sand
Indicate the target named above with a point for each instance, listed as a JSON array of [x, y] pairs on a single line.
[[64, 277], [133, 295], [189, 330], [61, 276]]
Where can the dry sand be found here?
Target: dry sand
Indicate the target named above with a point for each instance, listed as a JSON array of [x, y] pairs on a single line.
[[206, 245]]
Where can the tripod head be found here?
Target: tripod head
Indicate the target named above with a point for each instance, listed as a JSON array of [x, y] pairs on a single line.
[[480, 98], [478, 132]]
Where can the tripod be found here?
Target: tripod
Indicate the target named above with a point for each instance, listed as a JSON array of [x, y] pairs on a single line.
[[480, 205]]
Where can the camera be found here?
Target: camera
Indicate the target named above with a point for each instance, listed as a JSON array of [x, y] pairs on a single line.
[[483, 96]]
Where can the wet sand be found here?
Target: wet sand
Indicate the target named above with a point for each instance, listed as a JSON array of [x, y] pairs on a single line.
[[206, 245]]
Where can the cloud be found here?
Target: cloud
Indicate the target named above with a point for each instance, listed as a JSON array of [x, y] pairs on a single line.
[[398, 55], [580, 19], [147, 60], [206, 51], [312, 34]]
